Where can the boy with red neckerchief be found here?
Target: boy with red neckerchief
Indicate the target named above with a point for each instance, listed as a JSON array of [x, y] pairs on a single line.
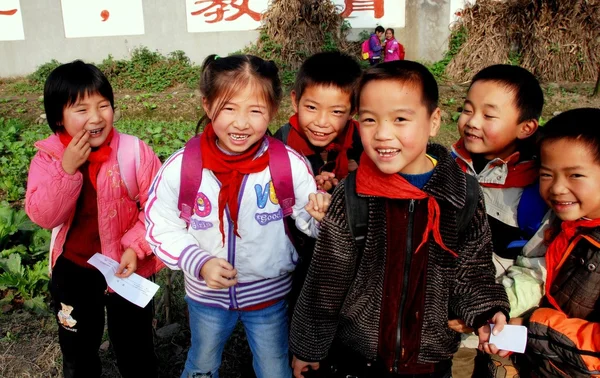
[[322, 128], [497, 128], [564, 331], [385, 307]]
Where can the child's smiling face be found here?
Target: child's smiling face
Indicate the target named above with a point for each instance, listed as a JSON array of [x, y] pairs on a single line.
[[242, 121], [489, 123], [92, 113], [323, 112], [569, 179], [395, 126]]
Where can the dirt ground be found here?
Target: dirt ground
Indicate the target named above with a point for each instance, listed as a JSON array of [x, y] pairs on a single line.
[[28, 343]]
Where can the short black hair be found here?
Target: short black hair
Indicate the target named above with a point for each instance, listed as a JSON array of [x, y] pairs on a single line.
[[528, 95], [579, 125], [404, 71], [69, 82], [329, 69], [379, 29]]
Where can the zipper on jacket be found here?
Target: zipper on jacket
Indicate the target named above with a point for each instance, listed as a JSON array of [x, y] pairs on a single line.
[[407, 262], [230, 255]]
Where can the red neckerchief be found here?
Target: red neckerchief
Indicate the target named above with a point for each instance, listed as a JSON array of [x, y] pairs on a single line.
[[558, 251], [96, 158], [520, 174], [371, 181], [341, 144], [230, 171]]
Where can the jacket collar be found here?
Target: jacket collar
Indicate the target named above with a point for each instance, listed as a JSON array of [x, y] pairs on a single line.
[[448, 182]]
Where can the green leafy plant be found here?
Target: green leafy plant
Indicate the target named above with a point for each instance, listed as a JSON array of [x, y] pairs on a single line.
[[29, 282]]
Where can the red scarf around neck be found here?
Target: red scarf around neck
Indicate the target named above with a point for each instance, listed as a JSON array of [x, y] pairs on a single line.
[[372, 182], [520, 174], [230, 171], [96, 158], [341, 144], [558, 251]]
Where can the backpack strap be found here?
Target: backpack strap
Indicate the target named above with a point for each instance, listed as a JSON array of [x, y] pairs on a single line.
[[357, 212], [128, 158], [281, 174], [471, 201], [283, 132], [191, 178]]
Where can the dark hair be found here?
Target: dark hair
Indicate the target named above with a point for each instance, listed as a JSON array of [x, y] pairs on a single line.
[[581, 125], [222, 77], [329, 69], [528, 95], [69, 82], [404, 72], [379, 29], [390, 29]]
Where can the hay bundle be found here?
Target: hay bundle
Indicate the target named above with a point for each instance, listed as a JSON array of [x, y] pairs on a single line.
[[300, 28], [557, 40]]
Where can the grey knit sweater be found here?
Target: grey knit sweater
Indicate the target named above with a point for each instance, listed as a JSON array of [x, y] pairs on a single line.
[[342, 294]]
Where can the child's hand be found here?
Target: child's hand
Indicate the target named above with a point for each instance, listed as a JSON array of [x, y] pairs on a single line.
[[317, 205], [326, 181], [77, 152], [128, 264], [515, 321], [352, 165], [219, 274], [499, 321], [459, 326], [300, 367]]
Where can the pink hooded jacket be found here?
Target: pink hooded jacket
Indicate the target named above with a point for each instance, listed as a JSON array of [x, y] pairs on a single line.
[[52, 194]]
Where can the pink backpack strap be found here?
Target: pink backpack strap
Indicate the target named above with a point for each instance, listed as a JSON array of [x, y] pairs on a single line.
[[191, 178], [281, 174], [128, 158]]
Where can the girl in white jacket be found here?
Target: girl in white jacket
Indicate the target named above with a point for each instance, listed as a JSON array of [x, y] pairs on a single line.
[[235, 253]]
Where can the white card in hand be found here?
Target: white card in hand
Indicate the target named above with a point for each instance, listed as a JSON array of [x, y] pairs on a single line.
[[512, 338]]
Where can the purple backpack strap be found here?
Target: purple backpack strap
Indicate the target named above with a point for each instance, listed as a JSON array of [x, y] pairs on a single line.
[[281, 174], [191, 177]]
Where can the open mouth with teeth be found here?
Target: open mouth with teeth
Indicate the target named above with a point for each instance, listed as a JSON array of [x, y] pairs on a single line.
[[563, 203], [387, 152], [96, 132], [472, 137], [319, 134], [239, 137]]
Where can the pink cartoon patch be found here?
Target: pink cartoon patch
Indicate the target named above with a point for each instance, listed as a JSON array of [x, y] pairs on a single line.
[[203, 205]]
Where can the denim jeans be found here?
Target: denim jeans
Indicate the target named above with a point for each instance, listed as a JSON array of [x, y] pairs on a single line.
[[266, 330]]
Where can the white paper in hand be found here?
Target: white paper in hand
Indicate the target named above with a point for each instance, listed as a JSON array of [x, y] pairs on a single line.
[[135, 288], [512, 338]]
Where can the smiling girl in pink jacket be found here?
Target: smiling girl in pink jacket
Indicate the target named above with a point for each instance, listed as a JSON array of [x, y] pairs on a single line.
[[75, 188]]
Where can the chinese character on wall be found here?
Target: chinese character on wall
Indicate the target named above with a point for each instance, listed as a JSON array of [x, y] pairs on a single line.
[[11, 22], [224, 15], [217, 10], [376, 6], [370, 13]]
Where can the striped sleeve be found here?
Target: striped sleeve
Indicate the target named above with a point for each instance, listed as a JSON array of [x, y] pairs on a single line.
[[166, 233]]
